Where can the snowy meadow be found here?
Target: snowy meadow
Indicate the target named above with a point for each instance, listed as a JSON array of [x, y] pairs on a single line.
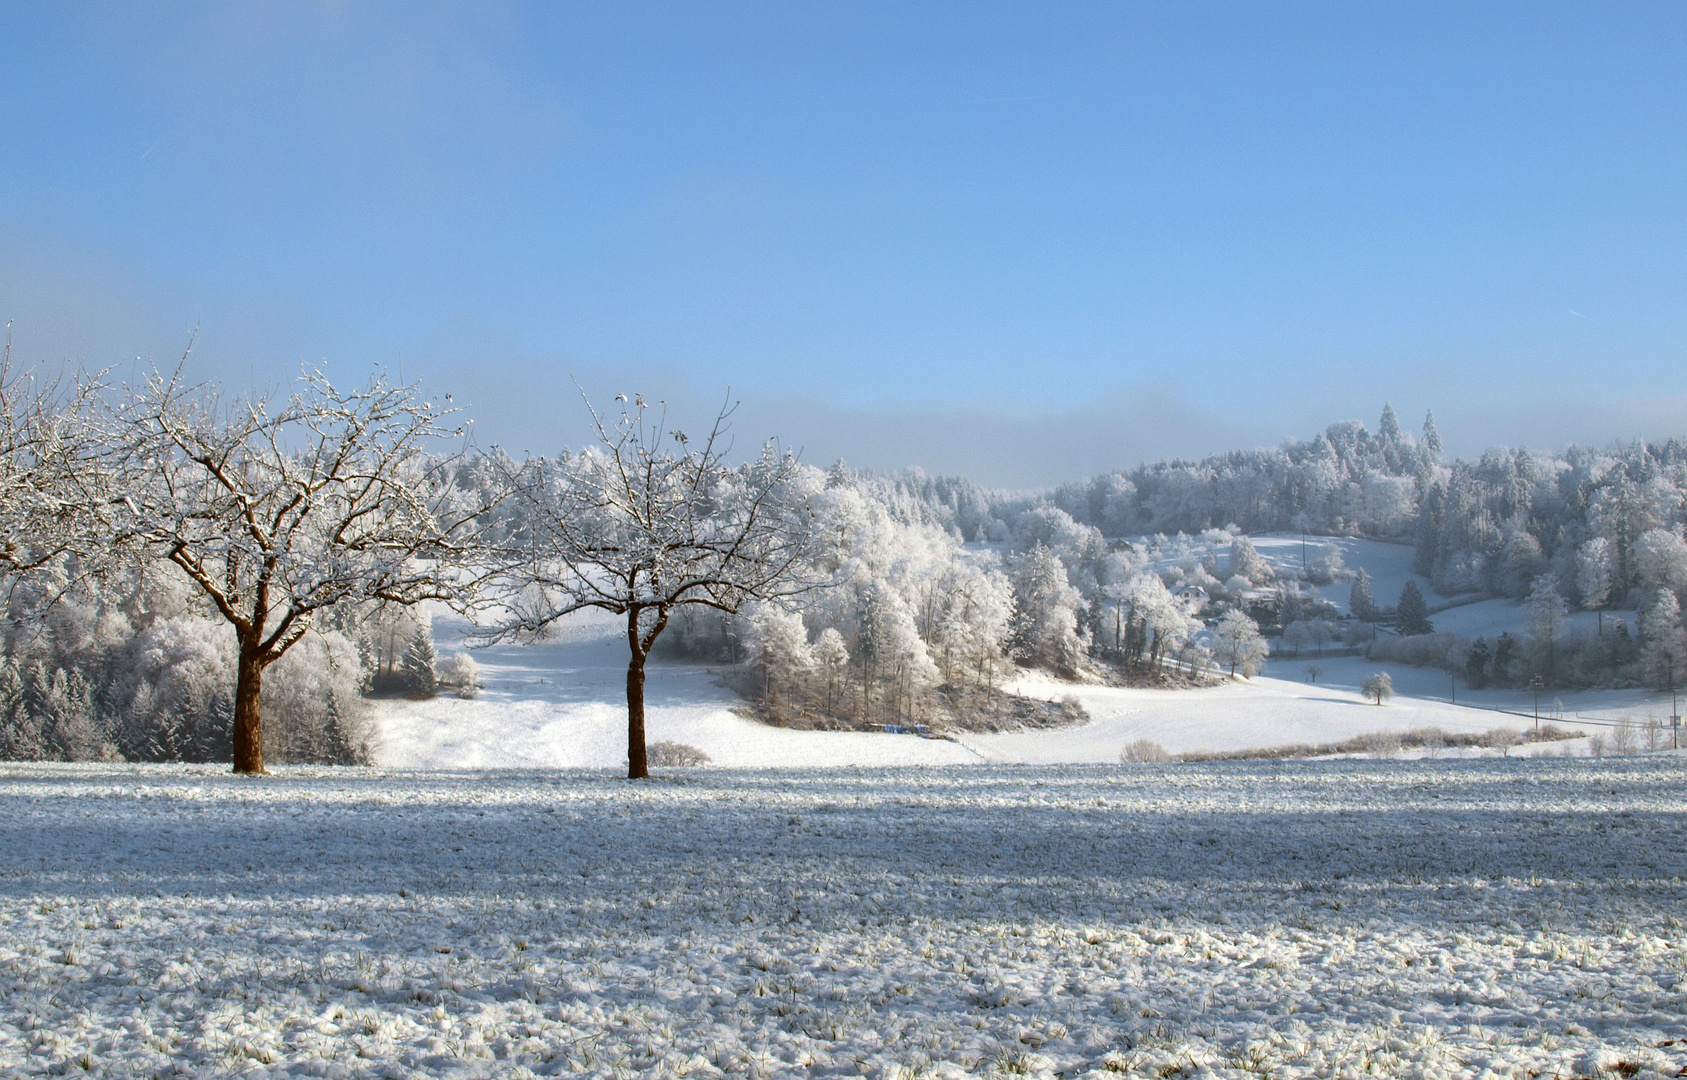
[[1402, 918]]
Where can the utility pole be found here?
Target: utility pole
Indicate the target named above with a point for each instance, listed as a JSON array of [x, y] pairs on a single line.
[[1535, 685]]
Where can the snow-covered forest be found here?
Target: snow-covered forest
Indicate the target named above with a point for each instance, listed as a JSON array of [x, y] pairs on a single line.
[[148, 590]]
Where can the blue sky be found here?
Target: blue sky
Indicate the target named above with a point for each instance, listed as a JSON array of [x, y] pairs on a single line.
[[1022, 242]]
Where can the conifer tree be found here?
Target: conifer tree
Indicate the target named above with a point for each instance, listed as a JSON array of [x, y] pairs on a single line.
[[1388, 428], [1476, 664], [1411, 614], [419, 660], [1431, 437], [1360, 601]]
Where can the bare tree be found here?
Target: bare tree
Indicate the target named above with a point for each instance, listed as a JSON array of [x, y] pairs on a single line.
[[278, 509], [644, 522]]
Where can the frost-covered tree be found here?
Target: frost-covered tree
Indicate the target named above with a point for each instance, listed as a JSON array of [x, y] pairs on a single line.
[[972, 630], [313, 705], [1593, 576], [960, 602], [1045, 626], [1520, 559], [1159, 624], [1663, 648], [831, 656], [280, 510], [891, 651], [646, 521], [779, 645], [1246, 561], [1660, 558], [129, 664], [1378, 687], [1237, 644]]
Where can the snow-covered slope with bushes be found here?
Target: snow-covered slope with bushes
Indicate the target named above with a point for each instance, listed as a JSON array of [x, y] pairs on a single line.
[[561, 703]]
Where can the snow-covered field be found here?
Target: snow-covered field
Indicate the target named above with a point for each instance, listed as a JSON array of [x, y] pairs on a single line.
[[1471, 918]]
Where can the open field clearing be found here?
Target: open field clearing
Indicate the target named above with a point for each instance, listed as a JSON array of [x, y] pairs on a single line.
[[1398, 918]]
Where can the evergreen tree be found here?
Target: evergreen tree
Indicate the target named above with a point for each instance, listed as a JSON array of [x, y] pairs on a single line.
[[1505, 649], [1476, 664], [1411, 614], [1622, 645], [1360, 601], [1432, 514], [1388, 428], [21, 738], [419, 661], [1431, 437]]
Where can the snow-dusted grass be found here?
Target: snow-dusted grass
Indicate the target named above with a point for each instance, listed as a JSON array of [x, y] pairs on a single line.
[[1352, 918]]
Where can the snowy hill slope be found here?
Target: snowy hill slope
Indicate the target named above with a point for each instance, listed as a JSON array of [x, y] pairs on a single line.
[[561, 704], [1390, 567]]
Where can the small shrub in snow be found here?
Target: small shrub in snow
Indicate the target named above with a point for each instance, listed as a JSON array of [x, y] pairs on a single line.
[[1432, 740], [460, 673], [1503, 739], [1382, 744], [1143, 751], [1325, 565], [675, 754], [1624, 740]]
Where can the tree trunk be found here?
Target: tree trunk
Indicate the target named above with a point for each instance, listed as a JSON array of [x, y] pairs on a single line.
[[637, 765], [248, 722]]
